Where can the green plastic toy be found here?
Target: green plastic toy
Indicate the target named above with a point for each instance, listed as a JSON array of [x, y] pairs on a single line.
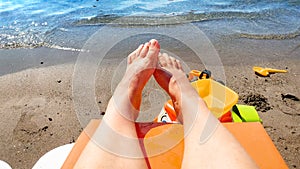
[[244, 113]]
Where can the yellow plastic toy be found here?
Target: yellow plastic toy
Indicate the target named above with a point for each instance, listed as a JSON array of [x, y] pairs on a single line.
[[218, 98], [266, 71]]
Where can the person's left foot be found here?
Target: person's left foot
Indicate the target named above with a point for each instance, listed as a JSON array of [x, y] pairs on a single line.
[[141, 65], [119, 145]]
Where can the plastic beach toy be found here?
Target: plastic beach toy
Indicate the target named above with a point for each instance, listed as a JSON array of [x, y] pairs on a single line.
[[218, 98], [266, 71], [244, 113], [206, 74]]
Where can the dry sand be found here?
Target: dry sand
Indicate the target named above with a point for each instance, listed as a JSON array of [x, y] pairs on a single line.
[[37, 110]]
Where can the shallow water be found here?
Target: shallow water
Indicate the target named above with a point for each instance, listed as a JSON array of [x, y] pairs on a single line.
[[34, 23]]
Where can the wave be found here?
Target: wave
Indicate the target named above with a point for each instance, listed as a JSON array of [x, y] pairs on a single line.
[[38, 45], [156, 20], [12, 45], [70, 36], [291, 35]]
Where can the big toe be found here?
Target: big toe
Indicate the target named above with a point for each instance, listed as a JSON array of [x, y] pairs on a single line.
[[154, 48], [154, 44]]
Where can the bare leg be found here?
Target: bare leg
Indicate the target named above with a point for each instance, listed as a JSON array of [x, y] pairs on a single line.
[[118, 146], [218, 149]]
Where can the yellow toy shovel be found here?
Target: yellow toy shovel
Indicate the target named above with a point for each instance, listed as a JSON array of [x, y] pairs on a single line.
[[266, 71]]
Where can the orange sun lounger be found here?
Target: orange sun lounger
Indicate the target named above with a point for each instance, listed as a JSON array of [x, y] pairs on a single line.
[[252, 137]]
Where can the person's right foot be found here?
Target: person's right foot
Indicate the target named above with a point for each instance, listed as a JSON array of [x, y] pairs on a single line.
[[202, 131]]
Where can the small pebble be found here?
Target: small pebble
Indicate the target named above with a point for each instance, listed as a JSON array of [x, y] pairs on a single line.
[[73, 140], [45, 128], [50, 119], [59, 81], [42, 63]]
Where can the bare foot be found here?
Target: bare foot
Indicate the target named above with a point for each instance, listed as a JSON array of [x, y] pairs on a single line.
[[171, 77], [140, 66], [115, 143], [203, 134]]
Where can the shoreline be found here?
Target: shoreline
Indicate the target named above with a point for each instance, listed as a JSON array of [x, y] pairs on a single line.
[[37, 103], [230, 49]]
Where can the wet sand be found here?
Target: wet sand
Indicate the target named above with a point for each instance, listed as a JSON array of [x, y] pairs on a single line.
[[37, 102]]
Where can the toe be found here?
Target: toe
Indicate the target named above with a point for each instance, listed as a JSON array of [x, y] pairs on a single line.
[[139, 49], [168, 59], [162, 59], [154, 44], [179, 66], [144, 50], [175, 63], [129, 59], [154, 48], [132, 56]]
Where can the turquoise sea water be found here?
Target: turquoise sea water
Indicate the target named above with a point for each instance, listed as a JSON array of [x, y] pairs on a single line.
[[34, 23]]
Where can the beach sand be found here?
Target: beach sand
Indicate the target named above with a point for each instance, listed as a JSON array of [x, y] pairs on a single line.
[[37, 109]]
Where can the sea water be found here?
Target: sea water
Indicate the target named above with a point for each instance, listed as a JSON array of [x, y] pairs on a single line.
[[35, 23]]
